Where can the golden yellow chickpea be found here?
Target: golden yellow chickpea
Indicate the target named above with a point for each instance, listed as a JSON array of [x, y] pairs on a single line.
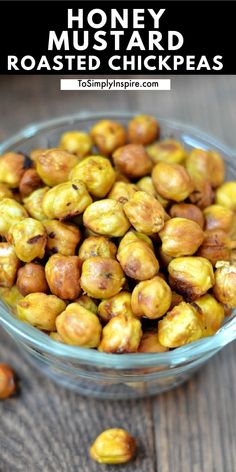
[[33, 203], [40, 310], [189, 211], [151, 298], [107, 136], [106, 217], [11, 212], [5, 192], [9, 264], [87, 303], [212, 314], [113, 446], [54, 165], [114, 306], [138, 261], [216, 246], [132, 236], [206, 165], [181, 237], [168, 150], [97, 246], [29, 239], [225, 283], [56, 337], [190, 276], [102, 277], [203, 195], [12, 166], [172, 181], [122, 334], [11, 296], [145, 213], [132, 160], [122, 192], [35, 153], [29, 182], [63, 238], [226, 195], [143, 129], [218, 217], [97, 173], [78, 326], [180, 326], [31, 278], [66, 200], [146, 185], [63, 276], [150, 343], [76, 142], [7, 381]]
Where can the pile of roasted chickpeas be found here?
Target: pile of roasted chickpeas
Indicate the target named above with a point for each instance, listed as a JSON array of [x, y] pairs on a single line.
[[118, 240]]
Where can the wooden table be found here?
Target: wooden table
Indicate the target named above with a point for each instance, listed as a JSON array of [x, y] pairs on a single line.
[[191, 429]]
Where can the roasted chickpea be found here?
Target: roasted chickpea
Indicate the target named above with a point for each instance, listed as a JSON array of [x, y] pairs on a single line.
[[168, 150], [9, 264], [218, 217], [121, 178], [79, 327], [76, 142], [63, 275], [138, 261], [212, 314], [12, 166], [120, 304], [151, 298], [145, 213], [31, 278], [216, 246], [97, 173], [122, 192], [54, 166], [10, 212], [143, 129], [29, 182], [56, 337], [189, 211], [102, 277], [33, 203], [226, 195], [36, 152], [106, 217], [146, 185], [113, 446], [150, 343], [29, 239], [5, 192], [190, 276], [176, 299], [87, 303], [132, 236], [63, 238], [66, 200], [206, 165], [132, 160], [172, 181], [7, 381], [203, 195], [180, 326], [11, 296], [181, 237], [107, 136], [121, 334], [97, 246], [40, 310], [225, 283]]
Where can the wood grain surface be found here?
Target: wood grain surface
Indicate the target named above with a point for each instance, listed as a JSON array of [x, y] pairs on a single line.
[[190, 429]]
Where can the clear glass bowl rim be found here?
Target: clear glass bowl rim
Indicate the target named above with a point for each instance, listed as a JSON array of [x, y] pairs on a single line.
[[39, 340]]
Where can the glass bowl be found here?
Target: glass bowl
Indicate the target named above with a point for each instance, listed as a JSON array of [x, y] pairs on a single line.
[[89, 372]]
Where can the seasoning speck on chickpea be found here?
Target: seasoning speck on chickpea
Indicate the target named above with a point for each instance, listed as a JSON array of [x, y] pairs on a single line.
[[113, 446]]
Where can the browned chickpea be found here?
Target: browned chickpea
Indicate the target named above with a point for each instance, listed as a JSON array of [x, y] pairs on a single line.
[[121, 178], [78, 326], [216, 246], [29, 182], [87, 303], [114, 306], [138, 261], [132, 160], [31, 278], [9, 264], [206, 165], [113, 446], [203, 195], [33, 203], [40, 310], [106, 217], [212, 314], [29, 239], [189, 211], [121, 334], [102, 277], [181, 237], [54, 166], [176, 299], [163, 258], [66, 200], [172, 181], [7, 381], [168, 150], [63, 276], [122, 192], [143, 129], [218, 217], [150, 343], [225, 283], [63, 238], [97, 173], [145, 213], [132, 236], [151, 298], [5, 192], [12, 167], [108, 135], [97, 246]]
